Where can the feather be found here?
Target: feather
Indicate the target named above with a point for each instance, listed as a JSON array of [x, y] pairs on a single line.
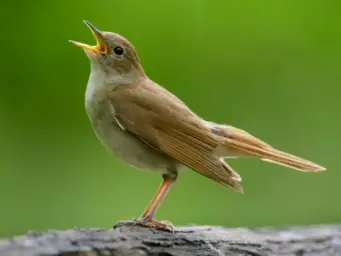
[[240, 143], [152, 114]]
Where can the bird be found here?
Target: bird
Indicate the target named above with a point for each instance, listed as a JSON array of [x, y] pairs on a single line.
[[149, 128]]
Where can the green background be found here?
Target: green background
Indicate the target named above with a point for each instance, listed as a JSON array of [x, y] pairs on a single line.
[[269, 67]]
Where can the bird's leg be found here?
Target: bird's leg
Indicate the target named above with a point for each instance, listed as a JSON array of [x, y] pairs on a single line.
[[147, 218]]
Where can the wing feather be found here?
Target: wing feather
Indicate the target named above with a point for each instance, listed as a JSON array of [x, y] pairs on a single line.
[[159, 119]]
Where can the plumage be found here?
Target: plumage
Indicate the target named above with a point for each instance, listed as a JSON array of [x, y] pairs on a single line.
[[242, 143], [148, 127], [152, 113]]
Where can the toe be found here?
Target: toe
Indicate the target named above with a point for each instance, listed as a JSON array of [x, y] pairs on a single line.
[[163, 225]]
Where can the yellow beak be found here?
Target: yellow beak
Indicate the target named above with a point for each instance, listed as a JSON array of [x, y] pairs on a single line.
[[100, 47]]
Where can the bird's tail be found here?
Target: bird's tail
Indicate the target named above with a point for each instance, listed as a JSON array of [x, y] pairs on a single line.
[[237, 142], [275, 156]]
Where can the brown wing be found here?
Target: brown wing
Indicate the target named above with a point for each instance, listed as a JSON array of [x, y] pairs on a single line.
[[162, 120]]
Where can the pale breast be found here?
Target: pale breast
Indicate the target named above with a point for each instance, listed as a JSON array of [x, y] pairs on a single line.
[[123, 144]]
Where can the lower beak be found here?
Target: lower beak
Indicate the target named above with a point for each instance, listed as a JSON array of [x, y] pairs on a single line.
[[100, 47]]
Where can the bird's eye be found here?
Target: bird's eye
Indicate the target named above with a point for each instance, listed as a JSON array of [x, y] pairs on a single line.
[[118, 50]]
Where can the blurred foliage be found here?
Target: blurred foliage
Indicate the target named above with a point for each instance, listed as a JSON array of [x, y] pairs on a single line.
[[270, 67]]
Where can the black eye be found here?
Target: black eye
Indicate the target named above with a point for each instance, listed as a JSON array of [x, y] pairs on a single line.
[[118, 50]]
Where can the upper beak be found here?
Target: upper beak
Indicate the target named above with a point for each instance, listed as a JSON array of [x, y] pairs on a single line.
[[100, 47]]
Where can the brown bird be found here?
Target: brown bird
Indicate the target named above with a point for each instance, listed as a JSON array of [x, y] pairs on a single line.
[[150, 128]]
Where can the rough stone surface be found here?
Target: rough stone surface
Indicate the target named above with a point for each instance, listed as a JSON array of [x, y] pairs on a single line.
[[128, 240]]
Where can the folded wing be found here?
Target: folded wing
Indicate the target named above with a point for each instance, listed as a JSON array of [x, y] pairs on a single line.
[[163, 121]]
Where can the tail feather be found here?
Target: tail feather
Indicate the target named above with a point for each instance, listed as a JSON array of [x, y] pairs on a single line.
[[275, 156], [238, 142]]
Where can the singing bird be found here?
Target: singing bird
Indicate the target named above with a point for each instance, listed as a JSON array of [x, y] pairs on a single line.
[[148, 127]]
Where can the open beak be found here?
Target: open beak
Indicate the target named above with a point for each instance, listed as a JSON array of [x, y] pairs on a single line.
[[100, 47]]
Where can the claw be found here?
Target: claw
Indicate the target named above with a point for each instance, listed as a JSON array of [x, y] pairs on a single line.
[[163, 225]]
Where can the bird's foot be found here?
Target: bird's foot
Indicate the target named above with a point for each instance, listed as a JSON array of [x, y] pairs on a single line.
[[163, 225]]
